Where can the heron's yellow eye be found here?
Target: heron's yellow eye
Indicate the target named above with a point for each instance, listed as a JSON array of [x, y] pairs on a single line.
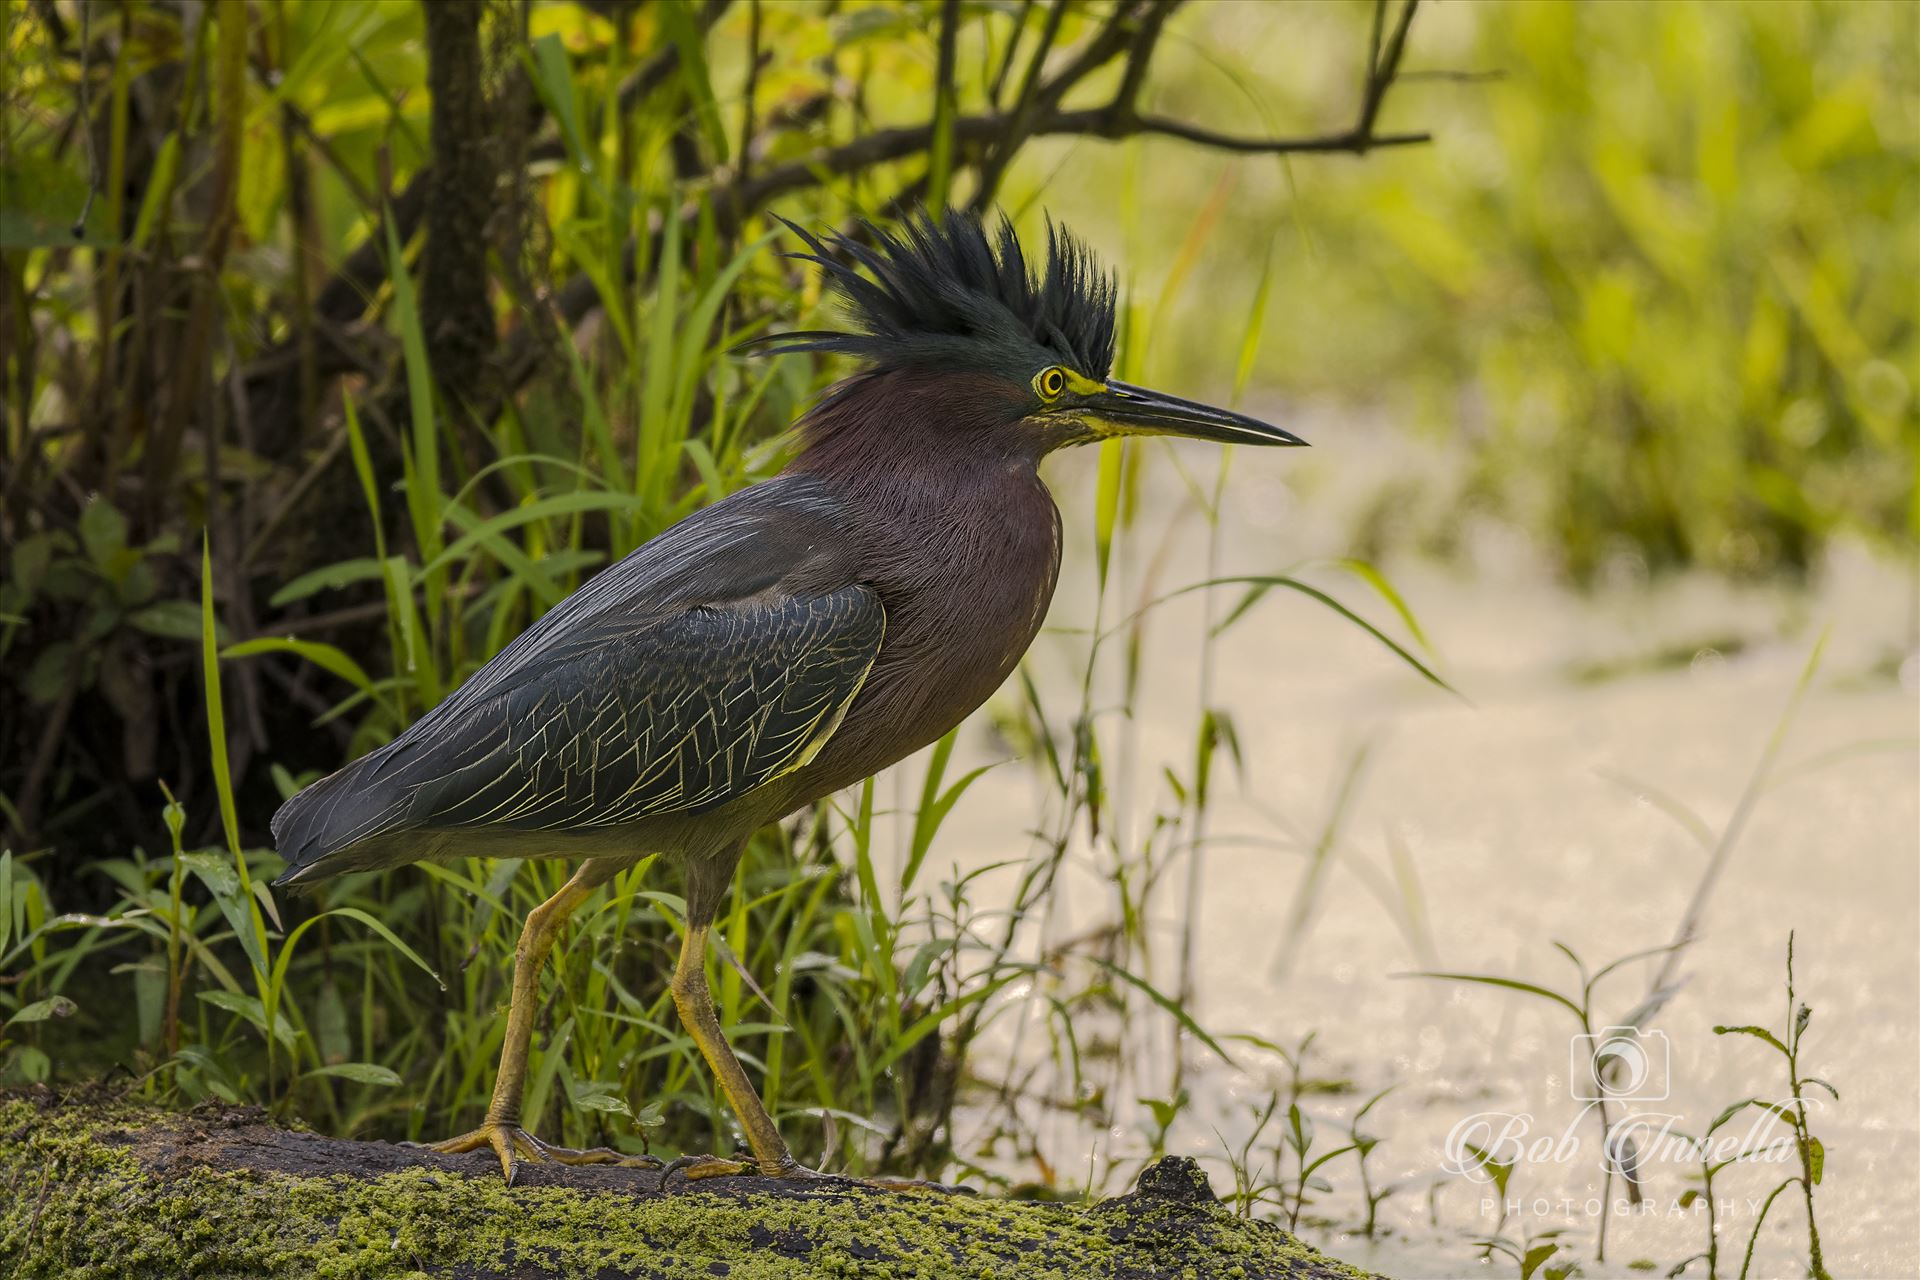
[[1050, 383]]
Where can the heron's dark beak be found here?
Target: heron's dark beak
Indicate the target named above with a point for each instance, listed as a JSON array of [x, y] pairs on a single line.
[[1127, 410]]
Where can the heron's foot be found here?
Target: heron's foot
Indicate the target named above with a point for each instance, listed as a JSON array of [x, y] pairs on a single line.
[[697, 1168], [512, 1144]]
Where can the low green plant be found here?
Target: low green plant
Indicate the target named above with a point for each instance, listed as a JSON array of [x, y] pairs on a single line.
[[1533, 1255], [1812, 1154], [1578, 1002], [1363, 1145]]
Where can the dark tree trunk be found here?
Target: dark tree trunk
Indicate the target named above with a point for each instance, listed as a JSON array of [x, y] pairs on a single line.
[[454, 310]]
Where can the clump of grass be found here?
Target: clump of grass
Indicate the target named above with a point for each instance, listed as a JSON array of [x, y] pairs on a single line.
[[1363, 1144], [1532, 1253], [1298, 1168], [1812, 1154], [1578, 1002]]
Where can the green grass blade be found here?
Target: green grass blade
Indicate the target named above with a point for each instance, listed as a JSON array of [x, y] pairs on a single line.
[[423, 489], [1511, 984], [249, 925], [324, 656], [1170, 1007]]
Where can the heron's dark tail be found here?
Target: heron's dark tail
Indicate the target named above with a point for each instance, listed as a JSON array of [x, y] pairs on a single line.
[[318, 831]]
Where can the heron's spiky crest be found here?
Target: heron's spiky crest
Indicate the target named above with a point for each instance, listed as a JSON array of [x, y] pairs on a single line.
[[953, 292]]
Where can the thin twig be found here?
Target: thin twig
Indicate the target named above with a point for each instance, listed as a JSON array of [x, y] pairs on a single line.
[[747, 122], [998, 87], [1140, 53], [86, 121], [1383, 65]]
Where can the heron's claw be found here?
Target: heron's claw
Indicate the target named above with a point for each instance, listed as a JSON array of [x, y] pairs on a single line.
[[512, 1144]]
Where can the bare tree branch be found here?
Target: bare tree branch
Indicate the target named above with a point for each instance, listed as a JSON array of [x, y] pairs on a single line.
[[998, 87], [1383, 64], [1140, 53], [1354, 140]]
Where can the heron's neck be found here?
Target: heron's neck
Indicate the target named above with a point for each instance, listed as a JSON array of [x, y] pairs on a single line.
[[933, 498], [877, 427], [960, 539]]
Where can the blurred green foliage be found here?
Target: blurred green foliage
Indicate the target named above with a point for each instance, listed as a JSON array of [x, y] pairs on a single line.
[[1655, 276]]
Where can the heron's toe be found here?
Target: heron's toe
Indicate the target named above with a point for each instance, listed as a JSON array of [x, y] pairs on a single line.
[[793, 1169], [512, 1145], [917, 1186], [541, 1150], [698, 1167]]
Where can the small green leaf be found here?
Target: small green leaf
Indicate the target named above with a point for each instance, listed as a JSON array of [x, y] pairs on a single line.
[[1816, 1159], [1164, 1110], [214, 870], [170, 620], [597, 1095], [328, 578], [1535, 1256], [1300, 1128], [553, 80], [159, 187], [1758, 1033], [30, 559], [1823, 1084], [103, 531], [41, 197], [47, 678], [359, 1073], [392, 939], [41, 1010]]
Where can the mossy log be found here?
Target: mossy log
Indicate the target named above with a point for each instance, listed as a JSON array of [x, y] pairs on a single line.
[[94, 1187]]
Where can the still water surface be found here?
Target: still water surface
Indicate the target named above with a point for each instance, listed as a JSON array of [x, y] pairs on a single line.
[[1523, 815]]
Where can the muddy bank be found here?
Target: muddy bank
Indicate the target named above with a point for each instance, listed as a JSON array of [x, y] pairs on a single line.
[[97, 1187]]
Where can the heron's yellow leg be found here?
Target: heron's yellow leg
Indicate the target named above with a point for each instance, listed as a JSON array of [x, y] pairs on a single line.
[[694, 1000], [501, 1130], [695, 1003]]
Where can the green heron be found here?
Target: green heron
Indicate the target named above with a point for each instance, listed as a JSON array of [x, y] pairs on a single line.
[[781, 644]]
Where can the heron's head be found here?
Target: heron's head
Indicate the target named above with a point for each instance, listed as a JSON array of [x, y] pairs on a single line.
[[953, 313]]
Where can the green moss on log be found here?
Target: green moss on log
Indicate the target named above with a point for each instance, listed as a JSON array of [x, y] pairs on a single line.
[[98, 1188]]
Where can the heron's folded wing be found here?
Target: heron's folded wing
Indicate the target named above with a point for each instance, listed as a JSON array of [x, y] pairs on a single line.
[[669, 715], [628, 720]]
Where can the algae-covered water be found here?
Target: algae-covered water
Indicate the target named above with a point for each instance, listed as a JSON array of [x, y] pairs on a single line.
[[1538, 808]]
